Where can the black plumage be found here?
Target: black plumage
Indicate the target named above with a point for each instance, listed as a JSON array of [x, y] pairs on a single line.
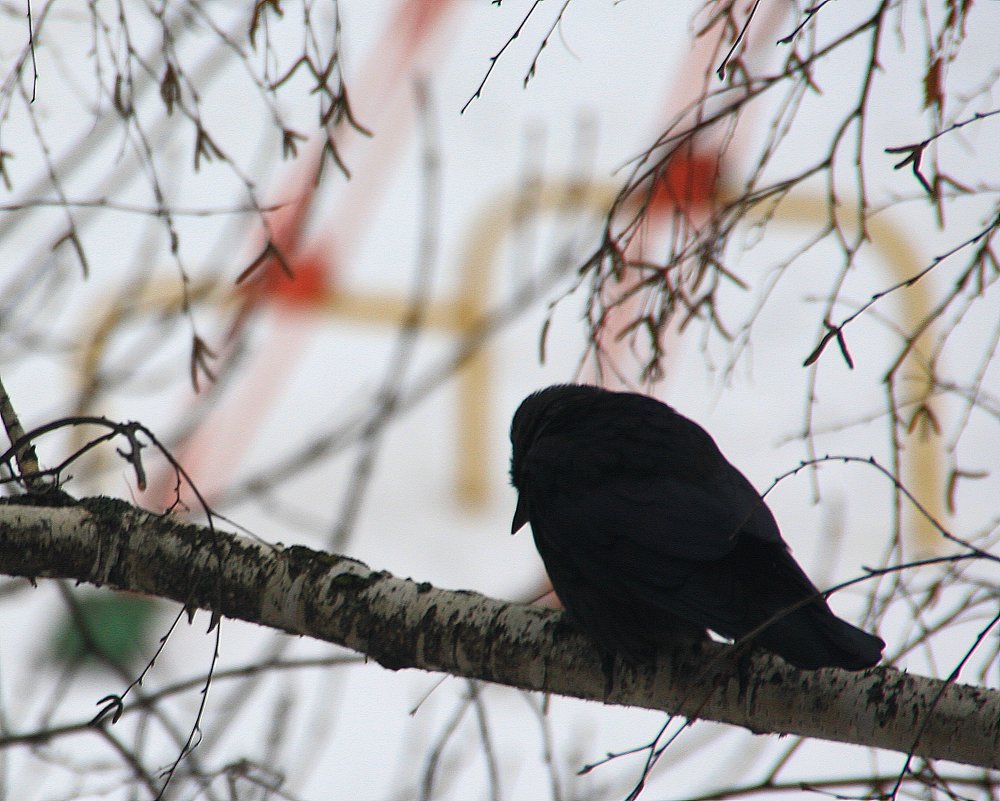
[[648, 533]]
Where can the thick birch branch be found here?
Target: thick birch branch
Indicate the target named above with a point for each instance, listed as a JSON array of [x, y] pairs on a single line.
[[405, 624]]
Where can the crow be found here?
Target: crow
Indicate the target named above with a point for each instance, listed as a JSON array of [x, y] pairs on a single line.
[[648, 533]]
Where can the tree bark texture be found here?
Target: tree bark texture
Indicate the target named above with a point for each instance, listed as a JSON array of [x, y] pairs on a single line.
[[402, 623]]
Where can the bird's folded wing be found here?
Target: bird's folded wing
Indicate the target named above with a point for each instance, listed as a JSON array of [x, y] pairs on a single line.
[[593, 499]]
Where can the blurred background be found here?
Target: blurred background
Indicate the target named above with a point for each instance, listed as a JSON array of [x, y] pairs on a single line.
[[323, 249]]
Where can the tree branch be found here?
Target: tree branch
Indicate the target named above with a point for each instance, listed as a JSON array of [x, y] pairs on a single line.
[[402, 624]]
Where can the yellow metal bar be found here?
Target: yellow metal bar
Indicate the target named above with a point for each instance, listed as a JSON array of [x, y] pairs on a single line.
[[360, 307], [488, 234]]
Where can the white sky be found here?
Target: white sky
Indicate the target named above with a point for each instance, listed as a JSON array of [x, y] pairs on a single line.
[[598, 96]]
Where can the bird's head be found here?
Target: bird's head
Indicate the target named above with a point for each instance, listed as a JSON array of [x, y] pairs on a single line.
[[537, 413]]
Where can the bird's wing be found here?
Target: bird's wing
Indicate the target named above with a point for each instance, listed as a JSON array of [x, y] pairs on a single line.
[[672, 496], [662, 541]]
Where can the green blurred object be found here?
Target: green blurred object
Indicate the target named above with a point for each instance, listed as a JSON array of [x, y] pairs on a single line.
[[118, 627]]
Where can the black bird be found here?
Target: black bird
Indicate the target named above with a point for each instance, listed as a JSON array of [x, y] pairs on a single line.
[[648, 533]]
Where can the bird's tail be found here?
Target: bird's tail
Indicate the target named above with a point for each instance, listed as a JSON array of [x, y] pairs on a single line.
[[814, 637]]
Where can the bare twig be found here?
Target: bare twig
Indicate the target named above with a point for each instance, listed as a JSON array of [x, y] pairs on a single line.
[[24, 450]]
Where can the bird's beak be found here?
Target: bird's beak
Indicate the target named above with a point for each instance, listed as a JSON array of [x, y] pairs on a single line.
[[520, 515]]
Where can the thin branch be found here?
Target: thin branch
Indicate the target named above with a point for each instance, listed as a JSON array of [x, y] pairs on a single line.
[[23, 449], [31, 46], [721, 70], [496, 56]]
